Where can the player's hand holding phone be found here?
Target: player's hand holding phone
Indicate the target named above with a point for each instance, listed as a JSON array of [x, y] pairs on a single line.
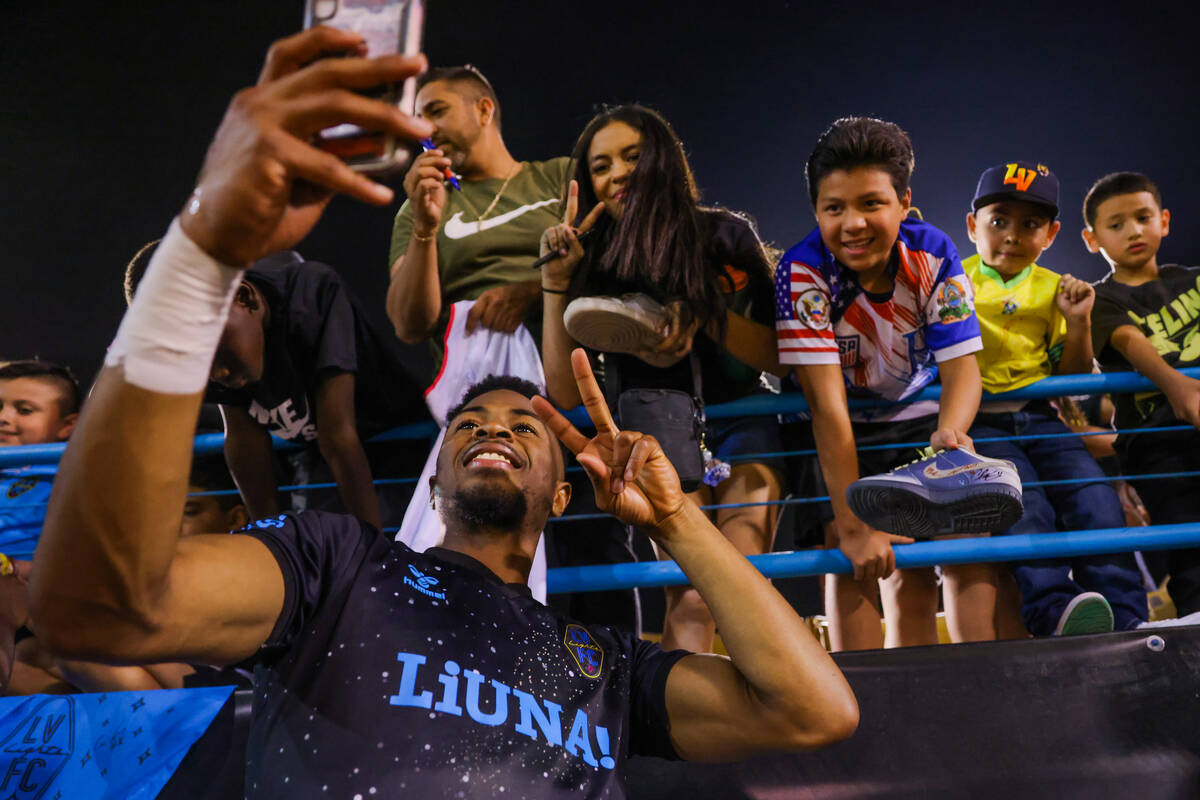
[[263, 180]]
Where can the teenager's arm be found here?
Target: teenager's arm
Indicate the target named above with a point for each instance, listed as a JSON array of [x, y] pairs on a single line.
[[752, 343], [114, 582], [342, 449], [557, 344], [962, 388], [249, 455], [779, 689], [869, 550], [1183, 393]]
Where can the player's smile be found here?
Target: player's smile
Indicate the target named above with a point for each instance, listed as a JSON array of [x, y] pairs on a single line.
[[492, 454]]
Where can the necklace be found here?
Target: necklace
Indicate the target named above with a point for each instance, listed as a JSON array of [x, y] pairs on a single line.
[[479, 218]]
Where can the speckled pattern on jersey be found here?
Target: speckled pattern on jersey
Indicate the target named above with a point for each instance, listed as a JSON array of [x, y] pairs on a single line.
[[399, 674]]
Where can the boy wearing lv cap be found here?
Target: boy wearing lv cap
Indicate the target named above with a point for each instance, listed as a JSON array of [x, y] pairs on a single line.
[[1035, 323]]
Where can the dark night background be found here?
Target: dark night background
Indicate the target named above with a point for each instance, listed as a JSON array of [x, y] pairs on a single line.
[[107, 110]]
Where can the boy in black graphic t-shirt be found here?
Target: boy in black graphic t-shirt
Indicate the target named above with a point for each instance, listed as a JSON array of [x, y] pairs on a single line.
[[299, 360], [1147, 317]]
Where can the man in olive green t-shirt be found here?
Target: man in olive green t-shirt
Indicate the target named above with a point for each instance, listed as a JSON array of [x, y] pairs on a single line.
[[477, 243]]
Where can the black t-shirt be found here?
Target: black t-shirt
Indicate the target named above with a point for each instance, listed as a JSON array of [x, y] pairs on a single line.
[[399, 674], [316, 329], [738, 264], [1167, 311]]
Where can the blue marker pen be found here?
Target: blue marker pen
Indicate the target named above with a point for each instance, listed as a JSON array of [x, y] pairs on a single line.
[[427, 145]]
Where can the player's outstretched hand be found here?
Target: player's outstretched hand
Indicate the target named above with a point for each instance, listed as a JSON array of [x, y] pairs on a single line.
[[631, 475], [264, 184]]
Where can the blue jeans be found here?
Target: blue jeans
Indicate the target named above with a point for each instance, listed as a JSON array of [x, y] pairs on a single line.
[[1047, 585]]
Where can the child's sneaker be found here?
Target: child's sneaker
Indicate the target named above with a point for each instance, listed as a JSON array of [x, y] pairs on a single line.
[[950, 491], [1087, 613]]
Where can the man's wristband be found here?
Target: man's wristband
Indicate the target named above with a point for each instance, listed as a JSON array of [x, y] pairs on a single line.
[[548, 290], [424, 239]]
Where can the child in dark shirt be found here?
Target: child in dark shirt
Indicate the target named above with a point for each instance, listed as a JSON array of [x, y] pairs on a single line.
[[299, 360], [1147, 317]]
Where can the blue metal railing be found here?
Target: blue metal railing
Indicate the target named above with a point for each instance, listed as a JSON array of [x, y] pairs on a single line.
[[787, 403], [1022, 547]]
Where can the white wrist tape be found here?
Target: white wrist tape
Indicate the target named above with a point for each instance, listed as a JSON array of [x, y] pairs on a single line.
[[170, 333]]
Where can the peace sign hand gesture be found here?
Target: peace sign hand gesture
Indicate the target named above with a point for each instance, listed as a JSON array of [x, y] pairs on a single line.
[[564, 240], [630, 474]]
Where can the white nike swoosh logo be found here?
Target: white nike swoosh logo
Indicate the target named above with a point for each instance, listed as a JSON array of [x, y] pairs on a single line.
[[455, 228]]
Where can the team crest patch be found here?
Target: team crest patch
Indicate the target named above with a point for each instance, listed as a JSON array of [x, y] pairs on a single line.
[[848, 350], [812, 308], [1010, 307], [584, 649], [20, 487], [952, 301]]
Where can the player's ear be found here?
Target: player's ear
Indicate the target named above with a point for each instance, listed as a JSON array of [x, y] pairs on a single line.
[[237, 517], [906, 200], [562, 496], [1166, 222], [246, 297], [971, 225]]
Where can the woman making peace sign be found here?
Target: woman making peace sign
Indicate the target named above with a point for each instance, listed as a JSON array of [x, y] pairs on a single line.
[[646, 233]]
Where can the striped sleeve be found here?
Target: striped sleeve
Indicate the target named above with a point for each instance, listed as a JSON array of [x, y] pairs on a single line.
[[803, 323]]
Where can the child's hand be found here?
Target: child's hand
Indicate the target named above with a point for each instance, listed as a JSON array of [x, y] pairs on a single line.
[[869, 550], [1075, 298], [1184, 397], [950, 439]]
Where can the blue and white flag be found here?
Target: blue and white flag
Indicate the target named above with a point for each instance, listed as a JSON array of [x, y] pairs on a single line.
[[119, 745]]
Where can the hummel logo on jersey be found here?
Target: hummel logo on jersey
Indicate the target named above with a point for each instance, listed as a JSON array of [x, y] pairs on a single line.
[[455, 228], [423, 583]]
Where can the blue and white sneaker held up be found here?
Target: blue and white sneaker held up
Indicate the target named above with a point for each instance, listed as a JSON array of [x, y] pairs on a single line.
[[950, 491]]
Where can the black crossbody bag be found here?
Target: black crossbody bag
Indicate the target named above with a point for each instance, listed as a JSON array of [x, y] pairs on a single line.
[[673, 417]]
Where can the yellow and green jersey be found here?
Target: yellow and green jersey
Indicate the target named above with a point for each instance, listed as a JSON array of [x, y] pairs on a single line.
[[1023, 330]]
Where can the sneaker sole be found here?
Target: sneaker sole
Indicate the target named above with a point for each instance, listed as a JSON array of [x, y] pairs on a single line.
[[901, 512], [1088, 618], [611, 331]]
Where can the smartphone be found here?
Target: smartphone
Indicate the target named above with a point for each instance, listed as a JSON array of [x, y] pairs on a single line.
[[388, 27]]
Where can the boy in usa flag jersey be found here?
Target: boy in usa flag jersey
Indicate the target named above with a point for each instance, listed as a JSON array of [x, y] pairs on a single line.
[[875, 304]]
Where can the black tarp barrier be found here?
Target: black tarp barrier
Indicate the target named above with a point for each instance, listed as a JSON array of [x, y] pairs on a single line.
[[1116, 715], [1111, 716]]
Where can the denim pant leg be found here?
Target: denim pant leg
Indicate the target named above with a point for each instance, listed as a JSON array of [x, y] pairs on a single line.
[[1088, 506], [1046, 586], [1171, 500]]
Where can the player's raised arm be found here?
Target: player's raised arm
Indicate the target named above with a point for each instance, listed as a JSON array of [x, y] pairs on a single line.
[[779, 689], [113, 580]]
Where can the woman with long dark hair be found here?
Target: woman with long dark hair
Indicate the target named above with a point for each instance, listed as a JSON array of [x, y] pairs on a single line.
[[645, 233]]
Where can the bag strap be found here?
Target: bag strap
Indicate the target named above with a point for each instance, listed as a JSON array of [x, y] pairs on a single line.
[[697, 384]]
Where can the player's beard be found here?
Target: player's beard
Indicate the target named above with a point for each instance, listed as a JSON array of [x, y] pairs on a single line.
[[488, 505]]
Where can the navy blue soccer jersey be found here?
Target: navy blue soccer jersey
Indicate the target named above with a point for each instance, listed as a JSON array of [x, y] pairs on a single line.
[[392, 673]]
